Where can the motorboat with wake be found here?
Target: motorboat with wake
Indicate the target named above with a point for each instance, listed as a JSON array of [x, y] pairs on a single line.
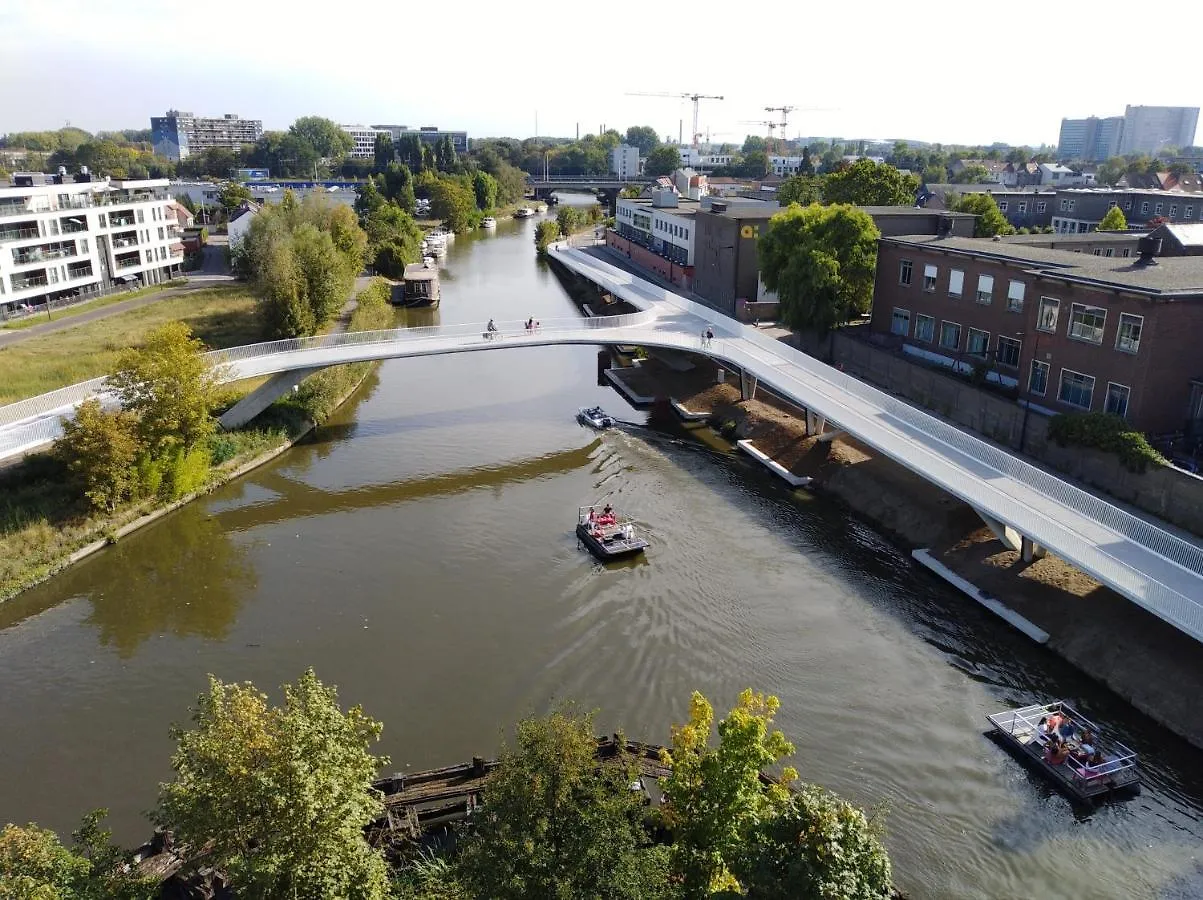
[[608, 533], [595, 417]]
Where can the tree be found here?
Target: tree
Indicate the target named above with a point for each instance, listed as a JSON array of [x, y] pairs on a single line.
[[394, 240], [383, 152], [663, 160], [972, 174], [186, 201], [397, 184], [569, 219], [547, 232], [557, 825], [233, 194], [100, 449], [807, 166], [368, 199], [644, 137], [934, 175], [715, 795], [283, 793], [867, 183], [754, 142], [484, 186], [34, 865], [1114, 220], [323, 135], [820, 261], [452, 202], [755, 164], [800, 189], [990, 220]]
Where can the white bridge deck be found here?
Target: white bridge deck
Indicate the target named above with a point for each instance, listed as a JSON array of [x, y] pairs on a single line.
[[1150, 566]]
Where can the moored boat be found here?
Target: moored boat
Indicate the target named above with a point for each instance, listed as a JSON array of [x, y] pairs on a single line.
[[420, 286], [1068, 749], [595, 417], [523, 212], [608, 533], [488, 222]]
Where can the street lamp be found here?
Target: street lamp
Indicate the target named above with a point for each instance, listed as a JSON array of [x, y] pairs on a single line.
[[1027, 405]]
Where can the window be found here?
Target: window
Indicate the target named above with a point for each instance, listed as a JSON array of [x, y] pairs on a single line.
[[950, 335], [1128, 205], [1098, 251], [141, 217], [1071, 205], [901, 322], [1144, 208], [1188, 213], [1038, 379], [1023, 206], [978, 343], [1127, 252], [925, 328], [1127, 338], [1002, 205], [1046, 316], [1076, 389], [1117, 399], [1015, 296], [162, 234], [1041, 206], [929, 278], [83, 245], [985, 289], [1064, 205], [956, 282], [1157, 209], [1007, 352], [904, 272], [1173, 210], [1086, 323], [102, 220]]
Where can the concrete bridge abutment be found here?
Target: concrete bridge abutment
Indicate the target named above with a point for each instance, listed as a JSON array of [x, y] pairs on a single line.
[[263, 396]]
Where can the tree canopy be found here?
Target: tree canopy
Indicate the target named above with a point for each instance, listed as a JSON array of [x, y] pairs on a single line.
[[644, 137], [1114, 220], [663, 160], [868, 183], [990, 220], [820, 260], [323, 135]]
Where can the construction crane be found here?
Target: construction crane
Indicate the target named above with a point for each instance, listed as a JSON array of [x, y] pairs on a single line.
[[694, 97], [785, 111]]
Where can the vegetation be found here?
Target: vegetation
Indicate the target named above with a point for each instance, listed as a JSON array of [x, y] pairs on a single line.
[[547, 232], [820, 260], [1106, 432], [1114, 220], [100, 448], [394, 238], [663, 160], [990, 220], [232, 195], [867, 183], [642, 136], [801, 189]]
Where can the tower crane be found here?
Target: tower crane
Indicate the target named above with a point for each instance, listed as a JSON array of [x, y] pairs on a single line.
[[694, 97]]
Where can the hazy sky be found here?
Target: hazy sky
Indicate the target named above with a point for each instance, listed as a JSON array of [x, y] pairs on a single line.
[[937, 70]]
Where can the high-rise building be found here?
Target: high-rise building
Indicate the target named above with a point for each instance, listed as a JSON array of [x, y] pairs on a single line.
[[363, 140], [1090, 139], [177, 135], [1150, 129], [624, 161]]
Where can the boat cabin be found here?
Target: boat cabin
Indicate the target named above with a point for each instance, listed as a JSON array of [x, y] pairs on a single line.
[[420, 286]]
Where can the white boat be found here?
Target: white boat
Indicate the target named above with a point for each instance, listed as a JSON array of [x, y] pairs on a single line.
[[488, 222], [608, 533], [595, 417], [523, 212]]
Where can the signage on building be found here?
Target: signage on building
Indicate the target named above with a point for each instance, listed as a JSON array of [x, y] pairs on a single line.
[[253, 174]]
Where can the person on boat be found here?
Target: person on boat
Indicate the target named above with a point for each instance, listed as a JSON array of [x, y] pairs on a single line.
[[1066, 729], [1057, 752]]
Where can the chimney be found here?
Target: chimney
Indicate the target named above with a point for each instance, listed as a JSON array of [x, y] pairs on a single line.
[[944, 226], [1148, 248]]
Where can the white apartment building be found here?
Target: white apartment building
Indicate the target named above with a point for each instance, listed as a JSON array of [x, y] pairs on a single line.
[[664, 224], [59, 240], [785, 166], [363, 140], [624, 161]]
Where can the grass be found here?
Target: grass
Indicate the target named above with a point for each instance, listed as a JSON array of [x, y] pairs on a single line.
[[221, 317], [101, 302]]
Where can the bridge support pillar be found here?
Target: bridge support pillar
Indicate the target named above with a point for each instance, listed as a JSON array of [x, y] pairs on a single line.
[[747, 385], [828, 436], [1008, 536], [1030, 550], [263, 396], [814, 424], [609, 199]]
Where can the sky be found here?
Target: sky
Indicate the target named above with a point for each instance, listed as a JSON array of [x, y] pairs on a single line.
[[949, 72]]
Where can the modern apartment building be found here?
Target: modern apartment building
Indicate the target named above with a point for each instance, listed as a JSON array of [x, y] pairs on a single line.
[[60, 238], [429, 134], [1091, 139], [1150, 129], [177, 135], [363, 140], [624, 161], [1070, 332]]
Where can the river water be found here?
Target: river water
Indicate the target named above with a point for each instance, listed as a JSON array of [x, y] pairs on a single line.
[[418, 552]]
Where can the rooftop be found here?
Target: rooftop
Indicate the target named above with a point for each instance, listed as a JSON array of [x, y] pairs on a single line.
[[1176, 278], [1186, 235], [1092, 237], [912, 211]]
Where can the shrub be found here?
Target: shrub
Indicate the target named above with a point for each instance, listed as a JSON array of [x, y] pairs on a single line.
[[1106, 432], [546, 233]]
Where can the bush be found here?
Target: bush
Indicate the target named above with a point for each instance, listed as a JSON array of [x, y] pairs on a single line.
[[547, 232], [1106, 432]]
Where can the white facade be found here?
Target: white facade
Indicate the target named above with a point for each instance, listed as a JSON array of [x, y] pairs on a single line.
[[785, 166], [668, 230], [58, 240], [1052, 175], [363, 140], [240, 223], [1150, 129], [624, 161]]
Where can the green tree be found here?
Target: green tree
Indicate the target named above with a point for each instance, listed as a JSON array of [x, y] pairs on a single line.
[[754, 142], [815, 844], [233, 194], [170, 387], [663, 160], [972, 174], [323, 135], [383, 152], [547, 233], [990, 220], [755, 164], [282, 793], [867, 183], [800, 189], [1114, 220], [644, 137], [820, 260], [935, 174], [557, 825], [511, 183], [452, 202], [394, 240], [715, 795], [570, 219], [34, 865], [397, 185], [484, 186], [100, 449], [368, 199]]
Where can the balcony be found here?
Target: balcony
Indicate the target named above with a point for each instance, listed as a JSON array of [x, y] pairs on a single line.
[[79, 270], [123, 219], [19, 234], [125, 239], [46, 251], [74, 226], [129, 260], [24, 282]]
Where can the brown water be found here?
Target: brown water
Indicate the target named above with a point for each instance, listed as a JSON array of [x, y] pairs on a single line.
[[419, 553]]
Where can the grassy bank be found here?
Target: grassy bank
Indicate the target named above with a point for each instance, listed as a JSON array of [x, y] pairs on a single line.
[[90, 305], [221, 317], [44, 520]]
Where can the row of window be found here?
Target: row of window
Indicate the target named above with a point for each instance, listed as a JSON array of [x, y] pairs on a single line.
[[1077, 389], [670, 228], [956, 285], [1022, 207]]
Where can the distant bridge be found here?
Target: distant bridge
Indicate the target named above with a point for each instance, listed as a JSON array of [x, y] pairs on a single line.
[[586, 182], [1026, 507]]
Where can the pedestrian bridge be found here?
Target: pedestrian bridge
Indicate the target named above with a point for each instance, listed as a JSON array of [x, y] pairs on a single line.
[[1150, 566]]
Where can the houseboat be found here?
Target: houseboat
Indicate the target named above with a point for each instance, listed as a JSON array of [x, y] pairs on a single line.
[[523, 212], [1060, 743], [608, 533], [488, 222], [420, 286]]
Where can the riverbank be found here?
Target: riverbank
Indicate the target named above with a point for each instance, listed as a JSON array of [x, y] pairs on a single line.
[[1103, 634]]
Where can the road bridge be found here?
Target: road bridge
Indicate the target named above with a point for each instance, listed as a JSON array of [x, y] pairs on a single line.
[[1025, 506], [607, 186]]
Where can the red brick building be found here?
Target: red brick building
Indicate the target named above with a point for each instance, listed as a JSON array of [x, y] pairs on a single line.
[[1070, 331]]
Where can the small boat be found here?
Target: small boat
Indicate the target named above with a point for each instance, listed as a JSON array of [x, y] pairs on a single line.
[[1024, 732], [523, 212], [488, 222], [595, 417], [607, 533], [420, 287]]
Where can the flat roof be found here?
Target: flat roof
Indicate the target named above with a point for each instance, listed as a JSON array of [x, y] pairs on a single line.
[[1169, 277], [1090, 237], [911, 211]]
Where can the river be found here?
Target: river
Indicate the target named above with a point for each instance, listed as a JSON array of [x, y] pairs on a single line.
[[418, 552]]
